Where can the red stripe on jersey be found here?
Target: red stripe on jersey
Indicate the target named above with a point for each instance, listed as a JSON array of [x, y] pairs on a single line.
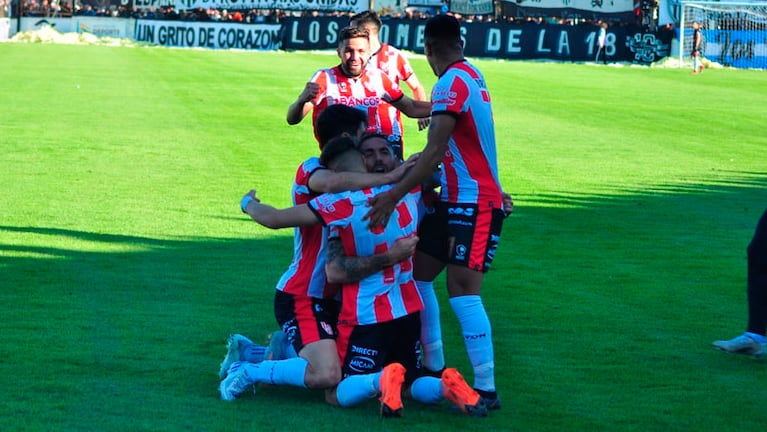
[[411, 296], [404, 218], [382, 307], [388, 272], [349, 290]]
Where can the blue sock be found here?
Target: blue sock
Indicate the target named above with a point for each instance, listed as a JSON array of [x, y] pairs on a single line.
[[355, 389], [253, 353], [279, 372], [431, 330], [478, 337], [427, 390]]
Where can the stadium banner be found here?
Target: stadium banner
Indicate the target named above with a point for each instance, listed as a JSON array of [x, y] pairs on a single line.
[[62, 25], [209, 35], [101, 27], [497, 40], [471, 7], [289, 5], [608, 10], [737, 48], [144, 4]]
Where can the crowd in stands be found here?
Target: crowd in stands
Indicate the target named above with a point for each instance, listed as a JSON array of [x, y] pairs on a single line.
[[65, 8]]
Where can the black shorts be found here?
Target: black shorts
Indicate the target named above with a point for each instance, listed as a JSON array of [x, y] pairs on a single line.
[[461, 234], [365, 349], [306, 319]]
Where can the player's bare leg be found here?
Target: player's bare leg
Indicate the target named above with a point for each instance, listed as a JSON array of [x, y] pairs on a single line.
[[324, 370]]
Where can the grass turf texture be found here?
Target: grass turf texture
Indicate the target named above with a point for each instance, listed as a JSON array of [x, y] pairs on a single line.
[[125, 261]]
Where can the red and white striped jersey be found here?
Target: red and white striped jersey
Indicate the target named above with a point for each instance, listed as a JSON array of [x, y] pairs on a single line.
[[306, 273], [393, 64], [364, 92], [470, 166], [390, 293]]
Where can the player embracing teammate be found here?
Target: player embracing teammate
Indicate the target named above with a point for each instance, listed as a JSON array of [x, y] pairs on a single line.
[[460, 235]]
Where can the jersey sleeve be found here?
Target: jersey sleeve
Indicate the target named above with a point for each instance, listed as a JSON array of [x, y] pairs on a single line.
[[392, 91], [333, 209], [404, 70], [448, 96]]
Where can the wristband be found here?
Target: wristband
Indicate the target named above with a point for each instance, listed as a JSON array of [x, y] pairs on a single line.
[[244, 203]]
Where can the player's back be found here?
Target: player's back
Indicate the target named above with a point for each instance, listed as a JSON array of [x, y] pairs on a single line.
[[306, 273], [390, 293], [470, 167]]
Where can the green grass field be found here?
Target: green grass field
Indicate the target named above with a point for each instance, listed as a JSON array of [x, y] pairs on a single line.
[[125, 261]]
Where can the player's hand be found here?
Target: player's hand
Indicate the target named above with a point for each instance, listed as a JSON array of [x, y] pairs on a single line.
[[403, 248], [381, 208], [508, 204], [247, 198], [423, 123], [397, 173], [310, 92], [413, 158]]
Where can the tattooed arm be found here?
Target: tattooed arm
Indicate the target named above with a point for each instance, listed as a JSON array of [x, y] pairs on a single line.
[[341, 268]]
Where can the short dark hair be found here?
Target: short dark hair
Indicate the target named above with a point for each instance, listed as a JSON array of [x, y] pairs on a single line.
[[443, 31], [338, 119], [371, 135], [367, 17], [351, 32], [335, 148]]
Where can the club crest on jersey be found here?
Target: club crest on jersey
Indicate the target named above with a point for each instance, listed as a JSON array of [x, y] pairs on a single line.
[[342, 86], [326, 328]]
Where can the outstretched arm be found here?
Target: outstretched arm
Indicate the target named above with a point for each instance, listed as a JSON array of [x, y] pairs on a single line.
[[413, 108], [419, 93], [340, 268], [273, 218], [328, 181]]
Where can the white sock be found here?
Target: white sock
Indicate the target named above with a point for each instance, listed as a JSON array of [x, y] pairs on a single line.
[[478, 337], [427, 390], [355, 389], [431, 329], [279, 372]]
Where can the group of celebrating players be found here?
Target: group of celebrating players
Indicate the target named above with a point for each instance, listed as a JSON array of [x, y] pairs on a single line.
[[357, 309]]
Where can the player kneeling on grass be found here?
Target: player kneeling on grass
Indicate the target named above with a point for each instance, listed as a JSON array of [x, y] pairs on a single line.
[[379, 324]]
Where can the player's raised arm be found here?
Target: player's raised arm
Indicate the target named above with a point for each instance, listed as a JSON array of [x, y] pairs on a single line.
[[303, 104], [273, 218]]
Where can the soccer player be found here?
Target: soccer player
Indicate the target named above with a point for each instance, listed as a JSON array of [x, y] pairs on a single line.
[[351, 83], [378, 323], [397, 67], [753, 341], [463, 233], [305, 307]]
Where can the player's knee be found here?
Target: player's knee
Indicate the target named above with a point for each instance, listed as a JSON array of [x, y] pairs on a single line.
[[323, 378]]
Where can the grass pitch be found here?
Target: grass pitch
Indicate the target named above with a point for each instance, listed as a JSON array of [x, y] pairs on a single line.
[[125, 261]]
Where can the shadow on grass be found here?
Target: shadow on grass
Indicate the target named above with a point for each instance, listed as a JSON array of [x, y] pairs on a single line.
[[136, 326]]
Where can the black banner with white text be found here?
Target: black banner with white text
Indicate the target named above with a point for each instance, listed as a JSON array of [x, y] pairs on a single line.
[[497, 40]]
